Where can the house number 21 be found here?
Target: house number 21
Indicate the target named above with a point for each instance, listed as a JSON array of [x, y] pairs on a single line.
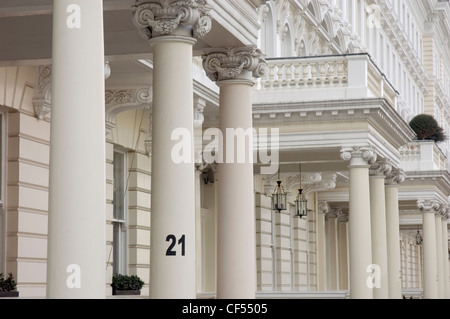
[[172, 239]]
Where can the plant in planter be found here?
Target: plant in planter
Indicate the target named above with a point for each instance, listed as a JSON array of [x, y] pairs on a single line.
[[427, 128], [126, 284], [8, 286]]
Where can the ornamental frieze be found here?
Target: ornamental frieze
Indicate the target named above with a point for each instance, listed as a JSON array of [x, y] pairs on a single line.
[[128, 96]]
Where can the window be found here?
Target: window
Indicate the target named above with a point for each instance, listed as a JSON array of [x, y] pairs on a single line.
[[286, 46], [120, 251], [268, 35], [381, 51]]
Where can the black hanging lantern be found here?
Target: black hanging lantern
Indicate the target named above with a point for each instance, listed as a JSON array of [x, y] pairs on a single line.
[[419, 239], [279, 198], [301, 204]]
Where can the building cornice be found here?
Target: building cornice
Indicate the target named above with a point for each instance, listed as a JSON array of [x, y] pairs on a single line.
[[422, 180], [376, 111]]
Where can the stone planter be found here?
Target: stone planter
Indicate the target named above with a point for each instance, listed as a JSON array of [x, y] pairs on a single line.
[[126, 292], [13, 293]]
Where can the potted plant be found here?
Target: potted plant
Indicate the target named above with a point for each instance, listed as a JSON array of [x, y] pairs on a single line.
[[126, 284], [8, 286], [427, 128]]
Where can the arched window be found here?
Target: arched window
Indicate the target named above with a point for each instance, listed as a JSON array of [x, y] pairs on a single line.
[[268, 34], [301, 50], [286, 42]]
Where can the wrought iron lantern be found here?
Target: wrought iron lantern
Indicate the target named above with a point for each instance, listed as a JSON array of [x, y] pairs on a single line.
[[279, 197], [419, 239], [301, 203]]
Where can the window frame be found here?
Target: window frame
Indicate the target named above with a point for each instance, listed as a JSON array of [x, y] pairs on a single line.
[[3, 221], [120, 225]]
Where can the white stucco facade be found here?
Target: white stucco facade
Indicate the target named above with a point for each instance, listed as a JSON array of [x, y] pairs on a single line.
[[337, 80]]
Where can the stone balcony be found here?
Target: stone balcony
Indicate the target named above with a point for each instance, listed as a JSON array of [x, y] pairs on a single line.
[[336, 77], [422, 156]]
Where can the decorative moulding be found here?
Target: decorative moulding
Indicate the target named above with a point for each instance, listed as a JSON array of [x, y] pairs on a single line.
[[42, 101]]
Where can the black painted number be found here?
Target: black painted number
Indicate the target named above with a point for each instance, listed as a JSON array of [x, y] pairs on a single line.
[[173, 241]]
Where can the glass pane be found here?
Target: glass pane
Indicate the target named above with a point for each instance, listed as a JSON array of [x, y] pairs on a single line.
[[116, 249], [119, 186]]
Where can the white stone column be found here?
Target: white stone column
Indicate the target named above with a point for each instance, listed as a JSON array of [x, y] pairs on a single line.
[[323, 209], [200, 216], [360, 240], [234, 70], [172, 29], [199, 225], [445, 254], [430, 268], [393, 233], [343, 251], [440, 257], [378, 173], [332, 243], [76, 220]]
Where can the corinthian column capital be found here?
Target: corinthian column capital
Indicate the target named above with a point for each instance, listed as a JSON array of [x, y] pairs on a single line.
[[359, 155], [244, 63], [429, 205], [160, 18], [395, 177], [380, 168]]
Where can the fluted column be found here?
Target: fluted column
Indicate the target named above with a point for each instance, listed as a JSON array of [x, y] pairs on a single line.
[[430, 267], [360, 240], [445, 253], [393, 179], [76, 219], [378, 173], [234, 70], [172, 29]]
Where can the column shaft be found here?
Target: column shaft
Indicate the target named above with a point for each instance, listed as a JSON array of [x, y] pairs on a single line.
[[236, 250], [393, 242], [379, 237], [199, 240], [321, 252], [333, 264], [440, 259], [445, 257], [76, 220], [173, 270], [343, 255], [360, 241], [430, 289]]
